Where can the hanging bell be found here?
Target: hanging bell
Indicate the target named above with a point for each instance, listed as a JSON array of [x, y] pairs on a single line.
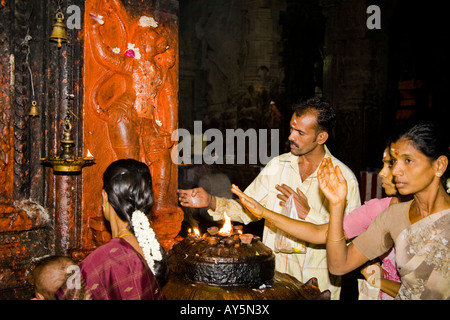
[[59, 30], [33, 111]]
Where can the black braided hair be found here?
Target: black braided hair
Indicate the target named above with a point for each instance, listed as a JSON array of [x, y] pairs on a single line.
[[128, 184]]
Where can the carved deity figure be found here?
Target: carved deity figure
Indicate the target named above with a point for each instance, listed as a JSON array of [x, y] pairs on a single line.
[[136, 96]]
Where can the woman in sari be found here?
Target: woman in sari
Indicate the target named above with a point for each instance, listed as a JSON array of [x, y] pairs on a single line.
[[419, 229], [132, 265], [355, 223]]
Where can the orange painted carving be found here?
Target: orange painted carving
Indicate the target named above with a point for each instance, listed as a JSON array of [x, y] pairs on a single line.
[[130, 107]]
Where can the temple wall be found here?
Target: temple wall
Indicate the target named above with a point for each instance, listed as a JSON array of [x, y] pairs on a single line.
[[43, 212], [229, 62]]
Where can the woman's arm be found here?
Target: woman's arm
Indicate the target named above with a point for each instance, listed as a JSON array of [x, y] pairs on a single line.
[[302, 230], [374, 275], [390, 287], [341, 258]]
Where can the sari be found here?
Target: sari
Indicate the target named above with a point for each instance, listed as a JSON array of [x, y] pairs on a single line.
[[422, 250], [116, 271], [423, 258]]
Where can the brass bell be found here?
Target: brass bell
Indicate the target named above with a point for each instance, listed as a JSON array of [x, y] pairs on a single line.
[[59, 30], [33, 111]]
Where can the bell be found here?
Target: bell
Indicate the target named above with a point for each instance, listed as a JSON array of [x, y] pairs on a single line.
[[33, 111], [59, 30]]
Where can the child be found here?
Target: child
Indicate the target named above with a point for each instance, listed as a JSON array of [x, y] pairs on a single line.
[[49, 275]]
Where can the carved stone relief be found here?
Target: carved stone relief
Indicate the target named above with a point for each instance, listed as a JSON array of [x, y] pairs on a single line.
[[130, 106]]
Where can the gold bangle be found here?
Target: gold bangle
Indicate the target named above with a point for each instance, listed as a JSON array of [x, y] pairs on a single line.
[[340, 239]]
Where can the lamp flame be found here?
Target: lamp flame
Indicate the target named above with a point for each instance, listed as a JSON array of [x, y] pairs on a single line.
[[196, 232], [89, 154], [227, 228]]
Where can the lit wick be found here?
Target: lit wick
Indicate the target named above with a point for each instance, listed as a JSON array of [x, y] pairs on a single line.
[[238, 229], [89, 155], [227, 228], [196, 233]]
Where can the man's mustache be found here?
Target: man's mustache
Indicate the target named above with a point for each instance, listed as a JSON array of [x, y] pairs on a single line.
[[292, 143]]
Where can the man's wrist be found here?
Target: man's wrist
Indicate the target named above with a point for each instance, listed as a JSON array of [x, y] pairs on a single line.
[[212, 202]]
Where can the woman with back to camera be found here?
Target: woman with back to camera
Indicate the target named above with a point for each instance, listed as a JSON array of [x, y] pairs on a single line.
[[132, 265], [419, 229]]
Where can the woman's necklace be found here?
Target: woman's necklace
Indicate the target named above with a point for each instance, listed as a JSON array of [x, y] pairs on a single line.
[[126, 234]]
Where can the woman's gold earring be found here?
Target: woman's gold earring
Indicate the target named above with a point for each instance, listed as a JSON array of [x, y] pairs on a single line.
[[438, 174], [105, 205]]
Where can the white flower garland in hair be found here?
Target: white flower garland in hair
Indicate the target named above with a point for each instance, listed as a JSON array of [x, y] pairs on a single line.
[[146, 238]]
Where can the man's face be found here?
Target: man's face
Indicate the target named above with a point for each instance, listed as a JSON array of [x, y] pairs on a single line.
[[303, 133]]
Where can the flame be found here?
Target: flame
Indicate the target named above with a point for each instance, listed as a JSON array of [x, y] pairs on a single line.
[[89, 154], [227, 228], [196, 232]]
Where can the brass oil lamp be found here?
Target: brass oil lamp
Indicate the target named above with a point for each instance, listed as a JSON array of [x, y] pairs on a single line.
[[67, 162]]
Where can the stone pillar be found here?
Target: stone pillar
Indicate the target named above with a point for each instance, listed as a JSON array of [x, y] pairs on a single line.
[[355, 80], [26, 218]]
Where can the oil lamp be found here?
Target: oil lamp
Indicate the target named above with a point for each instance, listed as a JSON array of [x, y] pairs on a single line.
[[67, 162]]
